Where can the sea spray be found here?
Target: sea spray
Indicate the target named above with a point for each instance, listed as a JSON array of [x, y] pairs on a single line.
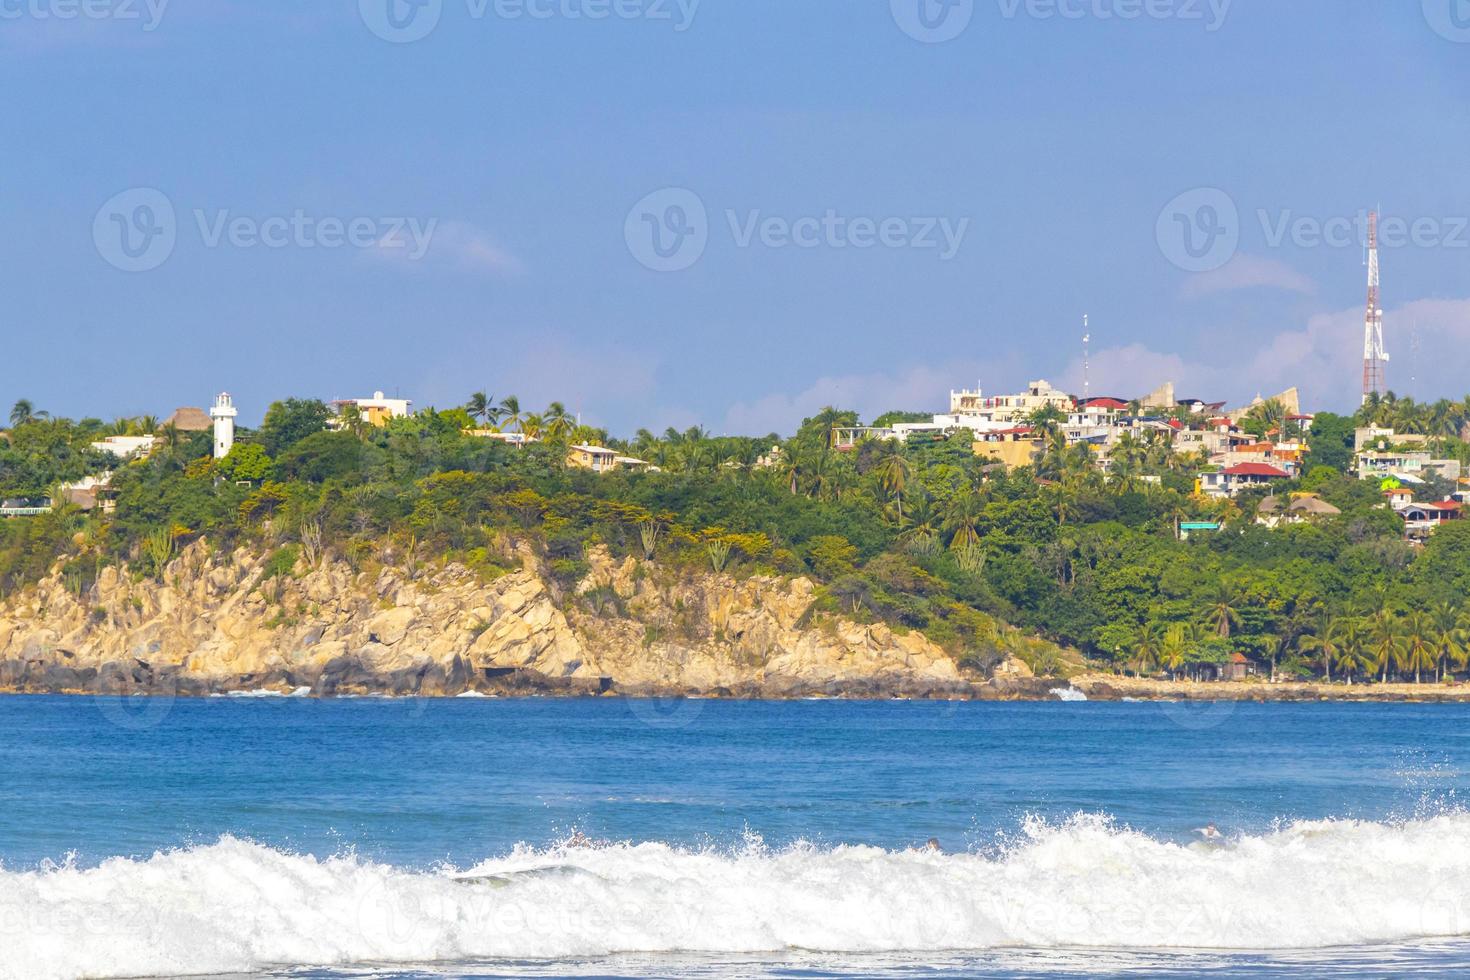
[[239, 906]]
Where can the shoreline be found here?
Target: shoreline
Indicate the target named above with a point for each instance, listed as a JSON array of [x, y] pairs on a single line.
[[1093, 687]]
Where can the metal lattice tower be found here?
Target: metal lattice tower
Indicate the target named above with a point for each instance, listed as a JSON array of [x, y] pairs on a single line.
[[1374, 356]]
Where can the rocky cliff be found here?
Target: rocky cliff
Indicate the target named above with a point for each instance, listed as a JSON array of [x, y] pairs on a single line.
[[219, 622]]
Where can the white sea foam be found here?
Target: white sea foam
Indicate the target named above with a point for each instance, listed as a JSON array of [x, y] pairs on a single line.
[[237, 906], [1068, 694]]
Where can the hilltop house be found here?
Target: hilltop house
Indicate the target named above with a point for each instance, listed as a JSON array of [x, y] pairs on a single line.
[[377, 410], [1274, 511], [1230, 481], [600, 459], [126, 447]]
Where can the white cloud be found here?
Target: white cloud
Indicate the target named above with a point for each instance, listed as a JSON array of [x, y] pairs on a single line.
[[1248, 272], [456, 245]]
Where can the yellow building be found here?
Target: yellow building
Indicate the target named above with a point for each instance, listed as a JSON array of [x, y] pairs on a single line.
[[1011, 452]]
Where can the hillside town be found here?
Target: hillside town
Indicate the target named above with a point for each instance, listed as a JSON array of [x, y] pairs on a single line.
[[1256, 449]]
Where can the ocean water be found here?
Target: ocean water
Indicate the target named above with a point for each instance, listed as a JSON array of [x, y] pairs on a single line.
[[475, 837]]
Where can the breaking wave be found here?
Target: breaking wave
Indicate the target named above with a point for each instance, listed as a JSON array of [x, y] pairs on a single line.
[[237, 906]]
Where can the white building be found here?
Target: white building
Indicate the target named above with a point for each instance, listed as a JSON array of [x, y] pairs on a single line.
[[126, 447], [378, 409], [223, 413], [973, 410]]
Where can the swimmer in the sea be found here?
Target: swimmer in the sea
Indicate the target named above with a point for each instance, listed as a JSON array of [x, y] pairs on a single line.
[[932, 844], [1209, 832]]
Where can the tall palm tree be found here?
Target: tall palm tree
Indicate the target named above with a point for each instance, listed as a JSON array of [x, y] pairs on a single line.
[[481, 407], [1326, 641], [1148, 648], [531, 425], [510, 412], [962, 521], [1449, 638], [894, 472], [1382, 646], [1174, 650], [1420, 649], [558, 421], [1222, 611], [1350, 642]]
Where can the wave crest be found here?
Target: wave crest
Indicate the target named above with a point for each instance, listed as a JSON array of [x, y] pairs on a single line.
[[237, 906]]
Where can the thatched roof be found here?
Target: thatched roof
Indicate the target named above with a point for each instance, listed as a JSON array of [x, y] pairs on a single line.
[[1314, 505], [189, 420]]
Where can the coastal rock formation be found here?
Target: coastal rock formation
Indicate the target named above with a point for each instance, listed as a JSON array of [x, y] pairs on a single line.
[[224, 622]]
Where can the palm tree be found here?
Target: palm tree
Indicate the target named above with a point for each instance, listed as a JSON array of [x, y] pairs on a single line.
[[962, 521], [922, 531], [894, 473], [1222, 611], [559, 423], [1448, 636], [1327, 641], [531, 425], [24, 412], [480, 406], [510, 412], [1147, 648], [1350, 642], [1174, 650], [1420, 649], [1383, 646]]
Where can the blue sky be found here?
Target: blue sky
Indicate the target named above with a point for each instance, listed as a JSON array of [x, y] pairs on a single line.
[[1050, 142]]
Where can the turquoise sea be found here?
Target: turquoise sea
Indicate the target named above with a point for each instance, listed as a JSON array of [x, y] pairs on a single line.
[[285, 837]]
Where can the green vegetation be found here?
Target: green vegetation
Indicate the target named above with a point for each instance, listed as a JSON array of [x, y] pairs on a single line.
[[925, 537]]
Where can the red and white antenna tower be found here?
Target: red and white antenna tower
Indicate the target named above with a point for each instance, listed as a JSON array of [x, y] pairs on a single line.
[[1374, 356]]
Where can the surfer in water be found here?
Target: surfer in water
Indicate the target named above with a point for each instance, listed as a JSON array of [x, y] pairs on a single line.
[[1210, 833]]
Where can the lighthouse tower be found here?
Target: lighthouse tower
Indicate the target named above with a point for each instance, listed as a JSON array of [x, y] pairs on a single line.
[[223, 414]]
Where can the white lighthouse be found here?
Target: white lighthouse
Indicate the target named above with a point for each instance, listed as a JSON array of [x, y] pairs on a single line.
[[223, 414]]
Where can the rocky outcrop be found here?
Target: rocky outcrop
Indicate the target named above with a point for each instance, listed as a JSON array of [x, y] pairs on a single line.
[[224, 622]]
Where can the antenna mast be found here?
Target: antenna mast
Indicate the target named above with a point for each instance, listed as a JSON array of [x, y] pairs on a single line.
[[1374, 356], [1086, 361]]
